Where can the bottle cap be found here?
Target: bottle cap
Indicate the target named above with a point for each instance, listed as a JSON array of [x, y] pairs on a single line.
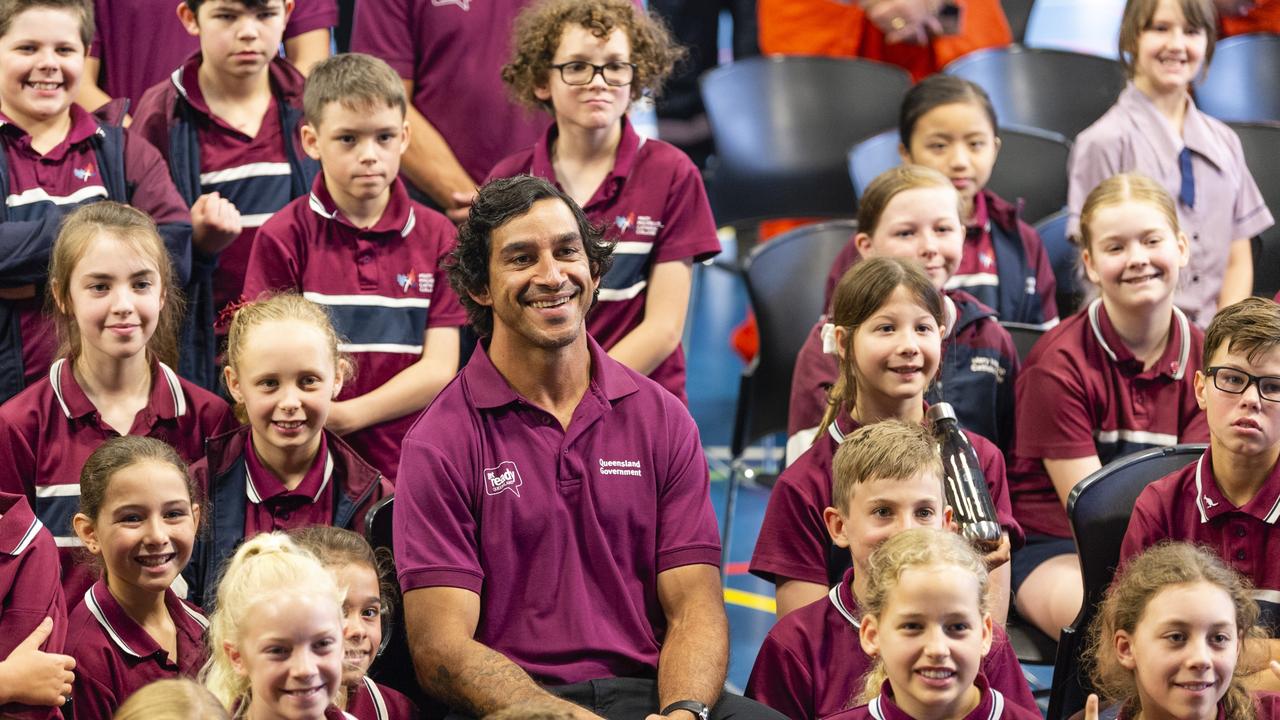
[[940, 411]]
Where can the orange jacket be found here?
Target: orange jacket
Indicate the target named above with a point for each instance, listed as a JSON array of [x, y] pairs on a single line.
[[1264, 17], [841, 29]]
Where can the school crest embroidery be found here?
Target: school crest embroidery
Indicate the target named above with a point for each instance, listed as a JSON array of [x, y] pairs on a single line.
[[424, 282], [506, 476], [623, 222], [83, 174], [464, 4]]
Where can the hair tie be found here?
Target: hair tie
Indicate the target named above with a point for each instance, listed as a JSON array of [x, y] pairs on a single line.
[[829, 338], [228, 313]]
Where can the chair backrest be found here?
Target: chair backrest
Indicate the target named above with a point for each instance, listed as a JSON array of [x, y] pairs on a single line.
[[1017, 12], [1055, 90], [1024, 336], [785, 280], [1243, 82], [1032, 166], [1064, 257], [394, 665], [1261, 143], [1091, 27], [1099, 508], [782, 128]]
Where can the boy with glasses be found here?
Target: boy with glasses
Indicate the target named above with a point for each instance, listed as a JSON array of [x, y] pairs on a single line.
[[585, 62], [1229, 499]]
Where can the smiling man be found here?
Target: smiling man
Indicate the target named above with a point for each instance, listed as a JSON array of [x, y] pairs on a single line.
[[553, 532]]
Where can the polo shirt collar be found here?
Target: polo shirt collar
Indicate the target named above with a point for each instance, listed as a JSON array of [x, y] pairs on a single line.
[[167, 400], [1173, 363], [1196, 135], [623, 161], [841, 597], [18, 525], [261, 485], [398, 217], [186, 80], [83, 127], [1210, 502], [981, 215], [838, 433], [127, 634], [489, 389]]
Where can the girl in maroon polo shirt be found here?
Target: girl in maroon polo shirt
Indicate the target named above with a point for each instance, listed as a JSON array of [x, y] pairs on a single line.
[[276, 636], [1169, 636], [926, 623], [365, 576], [138, 518]]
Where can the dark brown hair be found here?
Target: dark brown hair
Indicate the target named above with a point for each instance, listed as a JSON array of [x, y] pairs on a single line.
[[337, 546], [540, 27], [1199, 14], [936, 91], [1251, 326], [118, 453]]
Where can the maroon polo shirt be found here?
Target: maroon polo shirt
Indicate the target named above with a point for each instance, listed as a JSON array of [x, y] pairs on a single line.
[[812, 664], [272, 506], [562, 533], [371, 701], [383, 286], [654, 206], [252, 172], [1103, 403], [1188, 506], [993, 706], [127, 73], [115, 656], [49, 429], [62, 179], [793, 541], [29, 590], [453, 51]]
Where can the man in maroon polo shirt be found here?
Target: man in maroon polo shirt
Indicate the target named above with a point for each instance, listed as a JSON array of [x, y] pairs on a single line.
[[553, 525]]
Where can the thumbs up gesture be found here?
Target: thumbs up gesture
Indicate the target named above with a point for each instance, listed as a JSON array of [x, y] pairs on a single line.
[[32, 677]]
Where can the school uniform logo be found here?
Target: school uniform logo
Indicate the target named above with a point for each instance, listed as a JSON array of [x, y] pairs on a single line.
[[624, 222], [464, 4], [83, 174], [424, 282], [620, 467], [506, 476], [644, 225]]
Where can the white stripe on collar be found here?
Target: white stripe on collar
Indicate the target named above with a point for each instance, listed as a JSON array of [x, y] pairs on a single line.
[[27, 538], [176, 78], [1204, 517], [379, 704], [997, 704], [874, 708], [175, 389], [55, 381], [251, 489], [949, 315], [201, 620], [834, 595], [1184, 332], [95, 609], [408, 224], [318, 207]]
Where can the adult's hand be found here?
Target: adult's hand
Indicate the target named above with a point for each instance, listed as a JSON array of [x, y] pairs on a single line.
[[905, 21]]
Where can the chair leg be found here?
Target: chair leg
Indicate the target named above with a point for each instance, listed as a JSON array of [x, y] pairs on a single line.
[[730, 506]]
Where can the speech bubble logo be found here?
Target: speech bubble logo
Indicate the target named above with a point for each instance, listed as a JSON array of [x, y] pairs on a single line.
[[502, 478]]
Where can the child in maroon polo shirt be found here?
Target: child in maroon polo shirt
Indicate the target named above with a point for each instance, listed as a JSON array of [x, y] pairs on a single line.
[[887, 477], [1229, 499], [227, 121], [366, 252], [1112, 379], [138, 519], [585, 62], [116, 308], [929, 635], [34, 679], [283, 469], [56, 157]]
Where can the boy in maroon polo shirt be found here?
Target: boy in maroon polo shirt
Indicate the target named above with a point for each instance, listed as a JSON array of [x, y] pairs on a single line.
[[361, 248], [1229, 499], [586, 62], [552, 526], [227, 121], [887, 478]]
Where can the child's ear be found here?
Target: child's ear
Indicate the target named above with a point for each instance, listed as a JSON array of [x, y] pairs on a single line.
[[869, 635], [233, 655], [406, 134], [949, 519], [188, 19], [835, 526], [842, 341], [1086, 261], [1201, 383], [1184, 250], [542, 91], [310, 141], [1124, 650], [233, 383], [87, 533], [195, 514], [987, 634], [996, 146], [344, 371], [862, 241], [288, 9], [904, 154]]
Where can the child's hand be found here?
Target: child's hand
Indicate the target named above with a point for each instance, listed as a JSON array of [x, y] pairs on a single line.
[[1000, 555], [215, 223], [32, 677], [1091, 707]]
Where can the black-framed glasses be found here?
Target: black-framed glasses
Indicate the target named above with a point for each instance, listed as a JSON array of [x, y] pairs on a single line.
[[1231, 380], [578, 72]]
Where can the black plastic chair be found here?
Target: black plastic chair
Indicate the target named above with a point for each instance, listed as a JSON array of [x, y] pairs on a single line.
[[1017, 12], [1032, 165], [785, 283], [1064, 256], [394, 665], [1099, 508], [1261, 142], [1024, 336], [782, 127], [1055, 90], [1243, 82]]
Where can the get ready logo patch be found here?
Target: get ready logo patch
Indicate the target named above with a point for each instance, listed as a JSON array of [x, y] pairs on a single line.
[[506, 476]]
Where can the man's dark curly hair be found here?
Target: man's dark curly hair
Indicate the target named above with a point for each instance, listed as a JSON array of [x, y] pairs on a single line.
[[498, 203]]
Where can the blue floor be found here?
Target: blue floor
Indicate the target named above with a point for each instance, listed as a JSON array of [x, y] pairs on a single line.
[[718, 304]]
